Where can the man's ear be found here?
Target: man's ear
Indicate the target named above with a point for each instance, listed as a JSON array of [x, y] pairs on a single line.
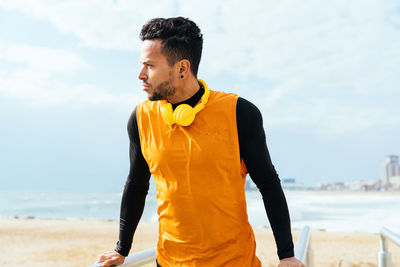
[[184, 68]]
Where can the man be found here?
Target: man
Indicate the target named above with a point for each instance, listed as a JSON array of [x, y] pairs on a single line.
[[199, 145]]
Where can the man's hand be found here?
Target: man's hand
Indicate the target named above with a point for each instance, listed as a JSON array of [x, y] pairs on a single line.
[[110, 258], [291, 262]]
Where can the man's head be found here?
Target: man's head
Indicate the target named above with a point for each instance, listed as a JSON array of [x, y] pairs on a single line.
[[170, 56], [180, 39]]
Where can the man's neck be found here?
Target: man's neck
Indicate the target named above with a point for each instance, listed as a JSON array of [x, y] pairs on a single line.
[[185, 90], [193, 101]]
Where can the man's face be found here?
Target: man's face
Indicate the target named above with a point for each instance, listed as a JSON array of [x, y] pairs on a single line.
[[156, 74]]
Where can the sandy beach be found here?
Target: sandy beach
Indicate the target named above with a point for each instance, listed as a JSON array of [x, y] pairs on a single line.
[[74, 243]]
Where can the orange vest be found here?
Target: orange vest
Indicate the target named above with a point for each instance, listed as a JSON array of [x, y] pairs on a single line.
[[200, 186]]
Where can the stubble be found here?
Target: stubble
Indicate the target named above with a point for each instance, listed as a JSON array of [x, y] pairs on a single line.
[[163, 90]]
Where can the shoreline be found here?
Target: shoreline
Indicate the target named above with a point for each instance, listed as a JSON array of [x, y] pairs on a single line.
[[349, 192], [89, 220], [77, 242], [33, 218]]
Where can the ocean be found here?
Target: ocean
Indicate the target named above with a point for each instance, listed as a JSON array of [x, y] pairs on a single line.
[[331, 211]]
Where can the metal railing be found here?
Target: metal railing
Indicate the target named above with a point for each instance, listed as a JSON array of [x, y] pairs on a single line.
[[384, 256], [302, 250], [138, 258]]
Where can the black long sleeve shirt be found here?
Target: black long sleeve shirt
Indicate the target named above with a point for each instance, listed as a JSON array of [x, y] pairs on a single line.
[[253, 151]]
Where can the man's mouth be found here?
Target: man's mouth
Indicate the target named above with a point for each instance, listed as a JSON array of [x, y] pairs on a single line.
[[146, 86]]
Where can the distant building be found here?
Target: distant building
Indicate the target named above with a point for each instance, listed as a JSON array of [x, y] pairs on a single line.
[[390, 170], [395, 182], [291, 184], [287, 183], [362, 185], [339, 186], [389, 180]]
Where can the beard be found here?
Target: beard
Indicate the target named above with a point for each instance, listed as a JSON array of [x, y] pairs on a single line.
[[163, 90]]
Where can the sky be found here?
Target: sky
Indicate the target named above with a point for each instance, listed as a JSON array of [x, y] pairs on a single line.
[[325, 76]]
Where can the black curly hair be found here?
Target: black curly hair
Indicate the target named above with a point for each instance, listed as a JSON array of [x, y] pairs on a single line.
[[180, 39]]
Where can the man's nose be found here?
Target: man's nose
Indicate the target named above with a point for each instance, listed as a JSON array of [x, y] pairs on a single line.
[[142, 74]]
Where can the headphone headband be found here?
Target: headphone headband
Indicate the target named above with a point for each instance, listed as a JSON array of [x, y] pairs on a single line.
[[204, 97]]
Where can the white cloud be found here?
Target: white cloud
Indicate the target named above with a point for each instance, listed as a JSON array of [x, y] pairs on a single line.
[[34, 81], [320, 57], [98, 23], [42, 58], [273, 40], [41, 89]]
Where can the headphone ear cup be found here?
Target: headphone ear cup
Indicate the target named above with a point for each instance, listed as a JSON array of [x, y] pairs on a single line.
[[166, 113], [184, 115]]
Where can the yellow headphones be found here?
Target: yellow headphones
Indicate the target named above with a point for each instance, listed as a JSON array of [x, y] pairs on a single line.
[[183, 114]]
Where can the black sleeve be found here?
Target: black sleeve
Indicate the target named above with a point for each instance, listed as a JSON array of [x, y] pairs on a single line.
[[135, 190], [254, 152]]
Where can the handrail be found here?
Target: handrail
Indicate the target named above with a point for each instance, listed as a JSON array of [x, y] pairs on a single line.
[[301, 250], [384, 256], [137, 258], [391, 235]]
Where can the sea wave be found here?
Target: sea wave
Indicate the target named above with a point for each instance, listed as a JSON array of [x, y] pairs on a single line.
[[332, 211]]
